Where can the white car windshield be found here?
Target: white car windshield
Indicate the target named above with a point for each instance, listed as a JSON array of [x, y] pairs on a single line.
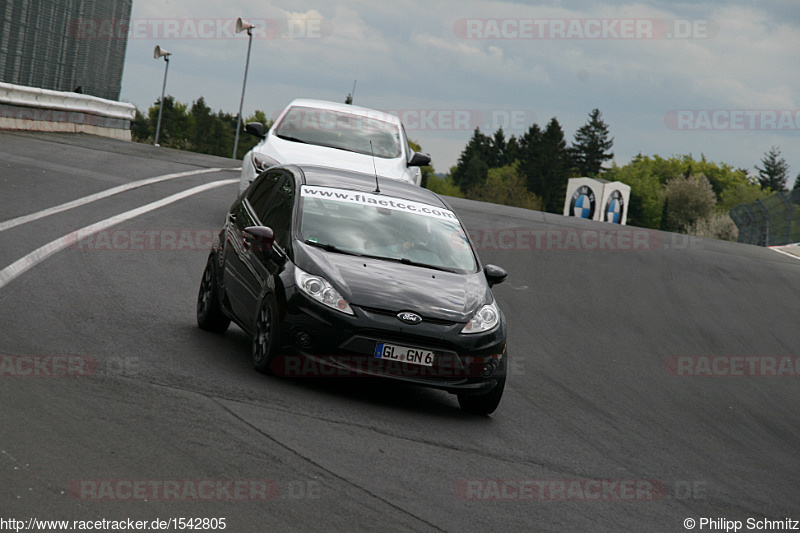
[[344, 131], [384, 227]]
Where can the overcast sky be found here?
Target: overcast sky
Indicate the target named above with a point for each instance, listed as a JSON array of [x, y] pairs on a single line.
[[719, 78]]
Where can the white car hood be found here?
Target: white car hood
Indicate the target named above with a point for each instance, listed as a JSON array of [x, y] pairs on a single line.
[[295, 153]]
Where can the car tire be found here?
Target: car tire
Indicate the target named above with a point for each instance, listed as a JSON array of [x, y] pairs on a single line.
[[265, 333], [482, 404], [210, 316]]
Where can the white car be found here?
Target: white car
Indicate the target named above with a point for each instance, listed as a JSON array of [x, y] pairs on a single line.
[[316, 132]]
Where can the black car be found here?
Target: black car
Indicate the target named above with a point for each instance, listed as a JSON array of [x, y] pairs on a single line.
[[337, 273]]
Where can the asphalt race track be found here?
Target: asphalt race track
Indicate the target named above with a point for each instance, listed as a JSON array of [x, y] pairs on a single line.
[[599, 429]]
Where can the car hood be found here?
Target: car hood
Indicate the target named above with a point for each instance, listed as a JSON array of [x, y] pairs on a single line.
[[391, 286], [295, 153]]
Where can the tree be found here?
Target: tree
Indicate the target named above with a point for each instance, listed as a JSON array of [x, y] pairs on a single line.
[[472, 167], [687, 200], [474, 174], [796, 183], [717, 226], [530, 145], [545, 163], [505, 185], [591, 146], [140, 129], [513, 150], [775, 172], [648, 176], [645, 207], [444, 185], [196, 129], [202, 126], [497, 153], [175, 123]]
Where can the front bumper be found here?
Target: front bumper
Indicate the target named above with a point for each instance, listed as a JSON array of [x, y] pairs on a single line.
[[320, 342]]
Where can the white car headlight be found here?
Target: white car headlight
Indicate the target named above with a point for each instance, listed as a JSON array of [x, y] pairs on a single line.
[[320, 290], [485, 319], [260, 163]]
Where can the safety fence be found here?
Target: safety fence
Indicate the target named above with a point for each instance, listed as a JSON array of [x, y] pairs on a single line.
[[771, 221]]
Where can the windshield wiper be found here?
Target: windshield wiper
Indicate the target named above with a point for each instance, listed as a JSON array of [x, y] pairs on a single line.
[[403, 260], [330, 247], [407, 261], [289, 138], [342, 148]]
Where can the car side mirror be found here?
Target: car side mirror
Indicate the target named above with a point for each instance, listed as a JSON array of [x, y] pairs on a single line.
[[259, 238], [255, 128], [419, 160], [494, 274]]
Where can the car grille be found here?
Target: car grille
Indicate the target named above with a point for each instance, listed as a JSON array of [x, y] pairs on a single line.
[[428, 319]]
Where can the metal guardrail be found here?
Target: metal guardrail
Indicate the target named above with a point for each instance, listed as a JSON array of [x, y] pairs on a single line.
[[771, 221], [34, 109]]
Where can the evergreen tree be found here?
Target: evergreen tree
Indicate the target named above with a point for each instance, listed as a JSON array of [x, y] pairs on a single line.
[[545, 163], [141, 131], [529, 157], [775, 172], [472, 167], [591, 146], [513, 151], [196, 128], [475, 174], [556, 161], [223, 132], [202, 126], [497, 153]]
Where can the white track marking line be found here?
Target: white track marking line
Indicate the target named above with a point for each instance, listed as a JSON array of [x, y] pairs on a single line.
[[775, 249], [7, 224], [20, 266]]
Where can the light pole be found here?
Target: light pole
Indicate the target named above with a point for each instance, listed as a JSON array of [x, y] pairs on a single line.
[[158, 53], [240, 27]]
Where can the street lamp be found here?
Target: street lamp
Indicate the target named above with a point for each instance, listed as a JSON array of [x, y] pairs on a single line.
[[240, 27], [159, 53]]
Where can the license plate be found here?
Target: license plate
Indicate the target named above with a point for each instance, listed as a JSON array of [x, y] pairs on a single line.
[[404, 354]]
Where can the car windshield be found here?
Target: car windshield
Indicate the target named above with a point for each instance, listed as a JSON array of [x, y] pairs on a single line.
[[384, 227], [344, 131]]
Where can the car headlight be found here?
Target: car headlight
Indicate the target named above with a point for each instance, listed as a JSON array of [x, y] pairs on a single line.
[[260, 163], [320, 290], [485, 319]]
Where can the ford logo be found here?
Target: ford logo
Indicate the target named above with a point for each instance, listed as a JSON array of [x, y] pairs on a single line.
[[409, 318]]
